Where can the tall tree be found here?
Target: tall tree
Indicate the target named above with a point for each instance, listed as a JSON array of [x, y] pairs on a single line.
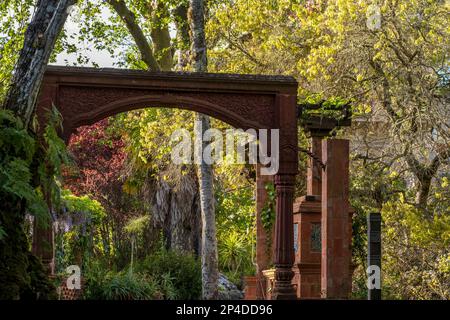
[[210, 273]]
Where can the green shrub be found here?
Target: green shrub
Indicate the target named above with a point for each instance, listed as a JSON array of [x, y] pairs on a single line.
[[129, 286], [120, 286], [177, 274], [235, 255]]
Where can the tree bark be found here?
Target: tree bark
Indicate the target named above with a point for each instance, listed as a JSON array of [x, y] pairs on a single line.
[[176, 211], [181, 23], [210, 272], [425, 174], [40, 39], [161, 36]]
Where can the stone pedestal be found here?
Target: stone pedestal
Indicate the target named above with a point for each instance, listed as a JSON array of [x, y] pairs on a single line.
[[250, 285], [269, 278], [307, 226]]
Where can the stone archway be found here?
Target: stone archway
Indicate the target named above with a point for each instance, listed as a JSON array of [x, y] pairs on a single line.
[[85, 95]]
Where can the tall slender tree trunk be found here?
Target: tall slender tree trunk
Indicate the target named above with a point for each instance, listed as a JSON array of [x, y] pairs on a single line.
[[210, 272]]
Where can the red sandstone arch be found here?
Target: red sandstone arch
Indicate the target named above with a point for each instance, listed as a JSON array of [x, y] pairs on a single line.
[[85, 95]]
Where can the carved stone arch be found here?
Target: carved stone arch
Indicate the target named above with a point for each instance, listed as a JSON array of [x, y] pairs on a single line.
[[86, 95], [179, 101]]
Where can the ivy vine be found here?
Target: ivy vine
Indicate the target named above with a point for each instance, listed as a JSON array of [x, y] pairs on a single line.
[[268, 212]]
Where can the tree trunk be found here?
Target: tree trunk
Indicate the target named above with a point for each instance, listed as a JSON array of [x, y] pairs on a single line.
[[210, 272], [40, 39], [182, 26], [176, 211], [161, 36], [425, 174], [423, 191]]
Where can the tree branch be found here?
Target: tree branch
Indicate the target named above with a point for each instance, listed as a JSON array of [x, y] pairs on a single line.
[[136, 32]]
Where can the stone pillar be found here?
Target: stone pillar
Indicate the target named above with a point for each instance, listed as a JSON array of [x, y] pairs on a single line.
[[314, 173], [284, 239], [263, 252], [307, 263], [336, 254], [307, 221]]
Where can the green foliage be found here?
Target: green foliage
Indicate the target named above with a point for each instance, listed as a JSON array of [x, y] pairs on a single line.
[[40, 286], [82, 241], [17, 151], [2, 233], [177, 274], [415, 243], [235, 217], [22, 188], [53, 157], [333, 107], [120, 286], [14, 16], [268, 211], [137, 226], [162, 275], [84, 204], [416, 254], [235, 254], [127, 286]]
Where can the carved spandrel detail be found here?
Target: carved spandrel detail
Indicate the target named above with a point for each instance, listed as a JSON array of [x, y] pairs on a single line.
[[77, 101]]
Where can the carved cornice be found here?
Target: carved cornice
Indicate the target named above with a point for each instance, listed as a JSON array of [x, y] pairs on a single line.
[[275, 80]]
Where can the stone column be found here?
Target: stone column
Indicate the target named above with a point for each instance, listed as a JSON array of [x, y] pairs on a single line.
[[284, 239], [335, 264], [283, 256]]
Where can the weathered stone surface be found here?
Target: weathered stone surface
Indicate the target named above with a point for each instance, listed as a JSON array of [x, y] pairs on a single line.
[[228, 290]]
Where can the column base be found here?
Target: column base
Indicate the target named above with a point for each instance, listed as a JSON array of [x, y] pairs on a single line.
[[283, 287]]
